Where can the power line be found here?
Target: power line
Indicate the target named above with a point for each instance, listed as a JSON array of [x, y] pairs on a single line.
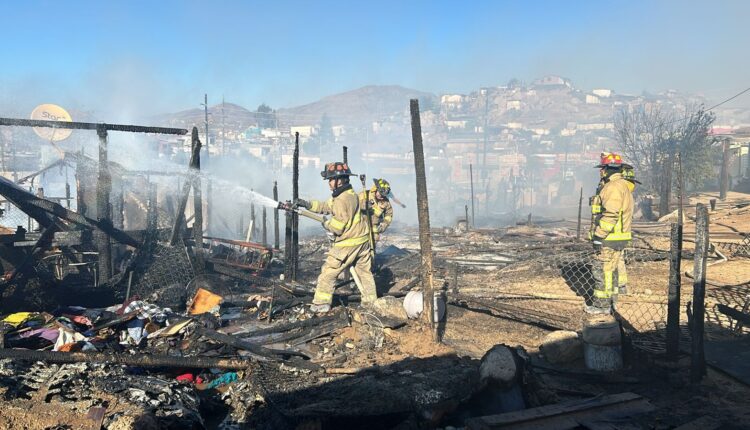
[[729, 99]]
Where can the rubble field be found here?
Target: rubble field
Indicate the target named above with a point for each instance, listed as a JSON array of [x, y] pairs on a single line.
[[234, 347]]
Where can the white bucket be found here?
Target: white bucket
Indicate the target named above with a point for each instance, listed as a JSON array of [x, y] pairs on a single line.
[[413, 305]]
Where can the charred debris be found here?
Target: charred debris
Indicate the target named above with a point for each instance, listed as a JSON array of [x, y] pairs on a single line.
[[165, 326]]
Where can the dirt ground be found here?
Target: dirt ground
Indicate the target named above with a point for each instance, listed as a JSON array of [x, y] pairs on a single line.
[[540, 300]]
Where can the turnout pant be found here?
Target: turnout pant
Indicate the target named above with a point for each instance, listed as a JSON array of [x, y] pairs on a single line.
[[605, 273], [340, 259]]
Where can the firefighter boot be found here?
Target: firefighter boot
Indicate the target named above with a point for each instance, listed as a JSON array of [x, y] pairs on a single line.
[[320, 309]]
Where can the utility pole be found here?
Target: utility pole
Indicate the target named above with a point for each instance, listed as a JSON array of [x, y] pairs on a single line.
[[485, 176], [471, 181], [724, 184], [206, 165], [223, 127]]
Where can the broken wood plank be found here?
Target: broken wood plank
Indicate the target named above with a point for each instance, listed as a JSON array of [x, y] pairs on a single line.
[[139, 360], [566, 415], [95, 416], [255, 349]]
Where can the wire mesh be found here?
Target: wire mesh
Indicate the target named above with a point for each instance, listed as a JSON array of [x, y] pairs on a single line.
[[162, 273], [13, 217]]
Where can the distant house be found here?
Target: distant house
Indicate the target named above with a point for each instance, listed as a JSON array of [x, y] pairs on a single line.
[[455, 124], [451, 101], [592, 99], [303, 130], [596, 126], [338, 130], [602, 92], [270, 132], [553, 81], [513, 105]]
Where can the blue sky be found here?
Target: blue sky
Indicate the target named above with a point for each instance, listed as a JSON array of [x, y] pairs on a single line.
[[143, 57]]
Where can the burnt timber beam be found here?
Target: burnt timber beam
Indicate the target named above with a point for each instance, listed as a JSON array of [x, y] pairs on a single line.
[[195, 157], [18, 122], [140, 360], [45, 212]]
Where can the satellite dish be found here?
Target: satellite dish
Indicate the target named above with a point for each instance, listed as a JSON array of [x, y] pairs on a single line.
[[50, 112]]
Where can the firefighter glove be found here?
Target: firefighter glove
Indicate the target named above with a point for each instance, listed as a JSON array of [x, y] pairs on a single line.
[[301, 203], [597, 243]]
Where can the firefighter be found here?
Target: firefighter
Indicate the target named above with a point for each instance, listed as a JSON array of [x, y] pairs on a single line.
[[628, 172], [351, 241], [612, 214], [379, 205]]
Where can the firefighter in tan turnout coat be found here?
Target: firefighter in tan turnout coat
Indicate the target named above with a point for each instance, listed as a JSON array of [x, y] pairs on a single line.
[[612, 215], [351, 240], [381, 209]]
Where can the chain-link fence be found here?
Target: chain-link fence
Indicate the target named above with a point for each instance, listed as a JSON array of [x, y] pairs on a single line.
[[552, 286]]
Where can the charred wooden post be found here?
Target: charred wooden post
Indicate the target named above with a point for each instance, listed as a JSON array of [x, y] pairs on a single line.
[[346, 155], [423, 213], [275, 217], [466, 212], [265, 231], [724, 184], [295, 216], [673, 303], [103, 188], [253, 227], [80, 177], [152, 215], [698, 363], [580, 205], [67, 195], [471, 181], [118, 208], [195, 157], [288, 263]]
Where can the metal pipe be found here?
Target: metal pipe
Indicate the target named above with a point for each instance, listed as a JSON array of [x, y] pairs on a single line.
[[423, 213], [698, 363]]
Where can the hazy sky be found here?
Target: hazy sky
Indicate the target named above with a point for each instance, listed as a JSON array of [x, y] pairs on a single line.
[[130, 58]]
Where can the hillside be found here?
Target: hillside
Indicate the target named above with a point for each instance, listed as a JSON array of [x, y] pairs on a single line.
[[357, 107]]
